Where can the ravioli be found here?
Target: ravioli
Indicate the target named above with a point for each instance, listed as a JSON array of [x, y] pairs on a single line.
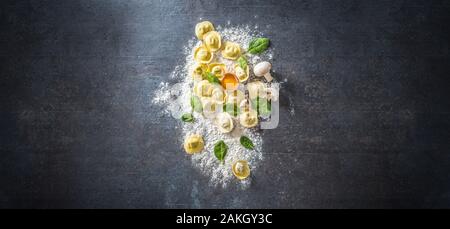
[[193, 144], [212, 40], [203, 55], [231, 50], [202, 28], [249, 119]]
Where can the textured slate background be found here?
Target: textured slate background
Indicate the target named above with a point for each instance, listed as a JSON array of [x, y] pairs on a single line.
[[368, 80]]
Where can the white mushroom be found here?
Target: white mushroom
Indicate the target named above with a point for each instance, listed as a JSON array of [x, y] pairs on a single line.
[[263, 69]]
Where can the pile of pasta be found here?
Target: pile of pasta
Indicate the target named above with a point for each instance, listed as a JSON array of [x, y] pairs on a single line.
[[225, 91], [219, 81]]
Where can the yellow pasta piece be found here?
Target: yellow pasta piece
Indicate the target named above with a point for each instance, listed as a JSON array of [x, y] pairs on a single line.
[[231, 50], [241, 169], [202, 28], [224, 122], [218, 95], [197, 71], [212, 40], [193, 144], [203, 55], [249, 119], [203, 88], [218, 69]]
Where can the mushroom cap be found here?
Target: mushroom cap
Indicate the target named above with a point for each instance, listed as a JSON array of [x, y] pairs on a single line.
[[262, 68]]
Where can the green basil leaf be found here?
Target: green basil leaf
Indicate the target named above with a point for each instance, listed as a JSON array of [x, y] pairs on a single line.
[[212, 78], [220, 150], [242, 62], [246, 142], [187, 117], [196, 104], [232, 109], [258, 45]]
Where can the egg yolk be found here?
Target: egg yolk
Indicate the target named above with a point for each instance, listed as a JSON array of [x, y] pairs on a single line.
[[229, 81]]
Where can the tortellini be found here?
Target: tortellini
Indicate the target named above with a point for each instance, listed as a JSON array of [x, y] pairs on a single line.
[[202, 28], [231, 50], [212, 41], [193, 144], [203, 88], [217, 69], [249, 119], [241, 169], [218, 95], [203, 55], [224, 122], [197, 71], [241, 74]]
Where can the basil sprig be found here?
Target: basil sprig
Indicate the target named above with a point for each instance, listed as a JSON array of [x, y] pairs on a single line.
[[196, 104], [246, 142], [258, 45], [220, 150], [212, 78], [242, 62], [187, 117]]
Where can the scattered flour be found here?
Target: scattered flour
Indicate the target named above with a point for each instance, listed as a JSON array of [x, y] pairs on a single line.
[[175, 100]]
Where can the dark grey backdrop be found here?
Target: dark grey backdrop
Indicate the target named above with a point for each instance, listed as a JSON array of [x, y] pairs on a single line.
[[368, 80]]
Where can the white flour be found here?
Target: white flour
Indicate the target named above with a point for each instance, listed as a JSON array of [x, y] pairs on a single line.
[[175, 100]]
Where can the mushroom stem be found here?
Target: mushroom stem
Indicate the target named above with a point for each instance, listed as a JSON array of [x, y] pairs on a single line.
[[268, 77]]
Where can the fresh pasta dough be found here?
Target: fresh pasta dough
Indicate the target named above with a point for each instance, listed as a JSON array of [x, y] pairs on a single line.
[[212, 40], [249, 119], [193, 144], [202, 28], [203, 55], [231, 50], [224, 122]]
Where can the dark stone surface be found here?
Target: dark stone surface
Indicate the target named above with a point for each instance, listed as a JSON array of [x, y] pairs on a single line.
[[369, 82]]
